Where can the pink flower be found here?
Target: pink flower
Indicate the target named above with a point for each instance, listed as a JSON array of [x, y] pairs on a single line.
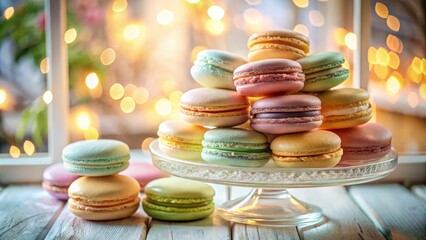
[[41, 21]]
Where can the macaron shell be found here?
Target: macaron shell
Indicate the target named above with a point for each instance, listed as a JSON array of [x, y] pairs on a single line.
[[238, 159], [321, 61], [57, 192], [235, 135], [179, 188], [177, 214], [271, 51], [212, 77], [226, 119], [276, 126], [180, 131], [213, 99], [57, 175], [180, 151], [286, 37], [328, 79], [96, 150], [220, 58], [335, 98]]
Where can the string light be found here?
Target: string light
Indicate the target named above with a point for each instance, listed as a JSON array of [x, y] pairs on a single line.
[[165, 17], [29, 148], [8, 13], [14, 151], [47, 97], [216, 12], [70, 35], [92, 80], [44, 65], [108, 56]]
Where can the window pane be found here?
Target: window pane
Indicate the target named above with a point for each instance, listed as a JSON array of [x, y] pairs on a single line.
[[23, 68]]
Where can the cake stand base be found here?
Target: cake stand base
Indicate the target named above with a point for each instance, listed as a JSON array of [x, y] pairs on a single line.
[[270, 207]]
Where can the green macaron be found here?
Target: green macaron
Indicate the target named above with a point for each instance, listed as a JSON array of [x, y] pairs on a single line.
[[235, 147], [323, 71], [177, 199], [101, 157]]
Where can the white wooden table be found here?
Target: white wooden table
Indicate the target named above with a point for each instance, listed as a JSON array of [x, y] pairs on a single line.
[[27, 212]]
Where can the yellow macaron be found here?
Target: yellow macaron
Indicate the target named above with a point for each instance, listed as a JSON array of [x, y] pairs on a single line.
[[277, 44]]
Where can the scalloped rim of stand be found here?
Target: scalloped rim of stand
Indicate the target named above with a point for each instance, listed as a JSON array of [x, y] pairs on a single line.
[[274, 177]]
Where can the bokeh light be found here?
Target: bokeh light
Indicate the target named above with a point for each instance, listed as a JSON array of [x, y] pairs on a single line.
[[116, 91], [413, 75], [381, 10], [92, 80], [127, 105], [129, 89], [316, 18], [393, 85], [417, 65], [163, 106], [216, 12], [350, 40], [215, 27], [301, 3], [8, 12], [413, 99], [29, 147], [119, 6], [134, 31], [393, 23], [339, 36], [422, 91], [70, 35], [382, 57], [44, 66], [253, 18], [14, 151], [253, 2], [84, 120], [394, 43], [393, 60], [372, 55], [140, 95], [108, 56], [47, 97], [165, 17], [301, 28], [381, 71], [195, 52], [3, 98], [91, 133]]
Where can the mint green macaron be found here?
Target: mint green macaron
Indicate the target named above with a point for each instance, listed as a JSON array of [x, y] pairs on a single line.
[[214, 68], [101, 157], [323, 71], [177, 199], [235, 147]]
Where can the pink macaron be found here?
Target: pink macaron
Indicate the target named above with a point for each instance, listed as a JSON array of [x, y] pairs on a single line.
[[56, 181], [364, 143], [286, 114], [269, 77], [143, 173]]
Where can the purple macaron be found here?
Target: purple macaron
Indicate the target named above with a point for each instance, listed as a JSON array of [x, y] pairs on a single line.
[[364, 143], [56, 181], [143, 173]]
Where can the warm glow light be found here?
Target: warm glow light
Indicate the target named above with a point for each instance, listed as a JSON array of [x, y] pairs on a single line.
[[116, 91], [382, 57], [140, 95], [393, 85], [215, 27], [339, 36], [195, 52], [129, 88], [92, 80], [145, 144], [393, 23], [165, 17], [424, 66], [350, 40], [417, 65], [316, 18], [394, 43], [346, 64], [413, 99], [381, 71], [253, 16], [133, 31], [108, 56], [3, 98], [381, 10], [14, 151], [163, 106], [422, 91], [47, 97], [175, 97], [301, 3], [8, 13], [300, 28], [216, 12], [119, 6], [70, 35], [29, 148], [83, 120], [393, 60], [253, 2], [413, 75], [91, 134], [44, 65], [193, 1], [127, 105], [372, 55]]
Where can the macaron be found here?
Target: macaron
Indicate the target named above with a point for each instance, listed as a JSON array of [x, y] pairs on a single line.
[[214, 107], [143, 173], [235, 147], [214, 68], [104, 198], [286, 114], [180, 139], [177, 199], [323, 71], [364, 143], [344, 108], [56, 181], [313, 149], [277, 44], [96, 157], [269, 77]]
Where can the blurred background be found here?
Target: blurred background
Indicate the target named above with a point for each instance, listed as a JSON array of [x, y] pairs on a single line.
[[129, 62]]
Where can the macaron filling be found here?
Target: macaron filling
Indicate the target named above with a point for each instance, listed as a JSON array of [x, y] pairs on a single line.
[[175, 209], [275, 115], [270, 77], [103, 206], [309, 158], [368, 150], [236, 155], [54, 187], [233, 146], [97, 161]]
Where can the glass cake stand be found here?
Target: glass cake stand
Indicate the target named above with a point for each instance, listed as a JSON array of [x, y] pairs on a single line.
[[269, 203]]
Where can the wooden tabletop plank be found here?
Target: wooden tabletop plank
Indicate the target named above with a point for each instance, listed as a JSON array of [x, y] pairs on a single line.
[[68, 226], [399, 209], [26, 212], [344, 220], [243, 231], [211, 228]]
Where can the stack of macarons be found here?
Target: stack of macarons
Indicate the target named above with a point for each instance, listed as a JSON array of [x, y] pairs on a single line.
[[101, 193], [217, 104]]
